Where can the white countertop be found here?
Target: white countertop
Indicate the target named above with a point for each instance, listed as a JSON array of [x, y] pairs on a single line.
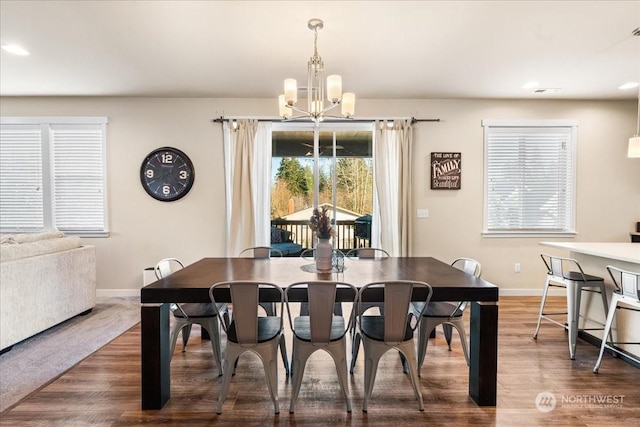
[[628, 252]]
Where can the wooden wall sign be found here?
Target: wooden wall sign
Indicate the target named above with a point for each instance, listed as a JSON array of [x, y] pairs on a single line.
[[446, 170]]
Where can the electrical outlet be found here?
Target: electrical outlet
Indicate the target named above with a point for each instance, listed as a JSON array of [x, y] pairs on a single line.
[[422, 213], [517, 267]]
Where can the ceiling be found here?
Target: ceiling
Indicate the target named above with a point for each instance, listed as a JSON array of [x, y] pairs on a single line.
[[382, 49]]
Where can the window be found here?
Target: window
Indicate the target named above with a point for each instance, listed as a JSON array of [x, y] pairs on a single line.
[[529, 177], [52, 175]]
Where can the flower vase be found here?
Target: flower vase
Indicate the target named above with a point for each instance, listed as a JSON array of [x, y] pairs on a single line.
[[324, 255]]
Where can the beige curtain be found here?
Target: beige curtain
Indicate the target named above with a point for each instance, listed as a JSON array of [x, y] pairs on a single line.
[[392, 165], [247, 169]]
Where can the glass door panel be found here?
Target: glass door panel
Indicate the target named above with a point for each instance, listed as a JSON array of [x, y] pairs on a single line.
[[335, 171]]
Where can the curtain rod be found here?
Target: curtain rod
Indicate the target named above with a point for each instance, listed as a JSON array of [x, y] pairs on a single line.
[[264, 119]]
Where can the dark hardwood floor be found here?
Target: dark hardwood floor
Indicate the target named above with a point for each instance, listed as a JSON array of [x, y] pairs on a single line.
[[104, 389]]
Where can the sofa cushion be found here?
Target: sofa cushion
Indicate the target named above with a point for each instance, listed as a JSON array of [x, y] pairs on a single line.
[[9, 252], [30, 237], [276, 235]]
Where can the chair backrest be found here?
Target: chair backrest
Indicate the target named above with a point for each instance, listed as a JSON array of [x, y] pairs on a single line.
[[560, 267], [261, 252], [167, 266], [627, 282], [321, 296], [397, 295], [468, 265], [368, 253], [245, 299]]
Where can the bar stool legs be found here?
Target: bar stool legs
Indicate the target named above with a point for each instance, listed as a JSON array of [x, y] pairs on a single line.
[[560, 275], [627, 292]]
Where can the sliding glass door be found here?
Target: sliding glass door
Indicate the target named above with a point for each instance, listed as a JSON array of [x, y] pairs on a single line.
[[330, 165]]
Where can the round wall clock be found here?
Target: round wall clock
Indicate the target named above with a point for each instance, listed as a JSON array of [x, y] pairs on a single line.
[[167, 174]]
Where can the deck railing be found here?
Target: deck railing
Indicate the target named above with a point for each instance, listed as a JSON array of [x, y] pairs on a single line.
[[345, 238]]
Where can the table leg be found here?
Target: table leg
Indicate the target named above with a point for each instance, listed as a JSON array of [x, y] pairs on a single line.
[[155, 355], [483, 354]]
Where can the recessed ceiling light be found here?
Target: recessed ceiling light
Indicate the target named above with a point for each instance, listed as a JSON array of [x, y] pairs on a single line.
[[15, 49], [628, 85], [530, 85]]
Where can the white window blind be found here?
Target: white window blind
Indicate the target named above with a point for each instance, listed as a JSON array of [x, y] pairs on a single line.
[[52, 175], [77, 177], [529, 179], [21, 186]]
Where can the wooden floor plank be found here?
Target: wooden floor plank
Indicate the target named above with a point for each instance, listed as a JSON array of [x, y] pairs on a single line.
[[104, 389]]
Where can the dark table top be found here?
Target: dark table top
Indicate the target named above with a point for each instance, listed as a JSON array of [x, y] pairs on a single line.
[[193, 282]]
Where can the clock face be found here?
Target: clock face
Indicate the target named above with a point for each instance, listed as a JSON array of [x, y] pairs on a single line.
[[167, 174]]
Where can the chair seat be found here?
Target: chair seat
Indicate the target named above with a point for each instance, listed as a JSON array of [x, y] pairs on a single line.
[[373, 327], [268, 328], [196, 310], [302, 328], [439, 309], [577, 277]]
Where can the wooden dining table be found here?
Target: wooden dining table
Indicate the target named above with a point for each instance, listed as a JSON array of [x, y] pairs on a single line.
[[192, 284]]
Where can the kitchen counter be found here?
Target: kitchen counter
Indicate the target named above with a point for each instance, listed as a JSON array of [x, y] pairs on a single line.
[[626, 252]]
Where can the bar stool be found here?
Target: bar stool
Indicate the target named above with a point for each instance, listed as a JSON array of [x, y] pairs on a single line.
[[567, 273], [628, 293]]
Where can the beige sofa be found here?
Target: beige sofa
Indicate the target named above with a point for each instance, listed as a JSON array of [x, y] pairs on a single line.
[[45, 279]]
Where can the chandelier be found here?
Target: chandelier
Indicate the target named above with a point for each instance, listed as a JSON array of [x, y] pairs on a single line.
[[320, 99]]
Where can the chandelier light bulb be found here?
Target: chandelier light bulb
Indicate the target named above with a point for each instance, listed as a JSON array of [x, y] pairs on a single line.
[[291, 91], [285, 110], [348, 104], [334, 88]]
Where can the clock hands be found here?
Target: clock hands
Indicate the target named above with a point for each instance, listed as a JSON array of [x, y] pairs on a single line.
[[161, 176]]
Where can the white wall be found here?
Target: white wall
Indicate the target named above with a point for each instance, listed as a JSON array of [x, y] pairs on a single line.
[[144, 230]]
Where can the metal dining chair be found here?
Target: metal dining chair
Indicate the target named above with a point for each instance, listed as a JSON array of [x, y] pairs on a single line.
[[367, 253], [449, 315], [394, 330], [248, 331], [320, 329], [261, 252], [186, 315], [338, 260]]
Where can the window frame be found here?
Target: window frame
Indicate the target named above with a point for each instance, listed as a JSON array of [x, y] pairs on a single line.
[[570, 227], [46, 125]]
